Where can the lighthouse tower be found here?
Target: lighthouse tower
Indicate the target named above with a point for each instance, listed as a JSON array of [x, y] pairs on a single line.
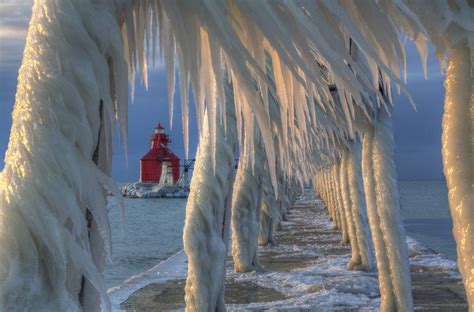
[[159, 162]]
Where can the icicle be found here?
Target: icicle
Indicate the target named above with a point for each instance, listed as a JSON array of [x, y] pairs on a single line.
[[184, 95], [169, 55], [420, 42]]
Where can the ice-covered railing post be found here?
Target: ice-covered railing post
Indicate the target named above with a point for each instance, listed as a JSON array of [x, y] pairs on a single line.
[[206, 229], [348, 207], [285, 197], [337, 208], [458, 155], [54, 232], [327, 197], [337, 185], [380, 182], [246, 204], [281, 202], [267, 212], [359, 212], [333, 200], [330, 198], [381, 255], [321, 189]]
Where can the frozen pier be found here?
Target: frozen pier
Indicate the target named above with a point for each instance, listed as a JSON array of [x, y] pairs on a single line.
[[306, 270]]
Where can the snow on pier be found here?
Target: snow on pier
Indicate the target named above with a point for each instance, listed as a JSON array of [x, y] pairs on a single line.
[[305, 270]]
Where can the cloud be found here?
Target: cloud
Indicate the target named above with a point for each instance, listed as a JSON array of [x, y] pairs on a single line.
[[11, 52], [14, 18], [12, 33], [15, 13]]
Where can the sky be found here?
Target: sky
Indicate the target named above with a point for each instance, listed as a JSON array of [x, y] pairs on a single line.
[[417, 133]]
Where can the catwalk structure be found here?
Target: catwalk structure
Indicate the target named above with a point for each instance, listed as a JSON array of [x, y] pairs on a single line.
[[302, 89]]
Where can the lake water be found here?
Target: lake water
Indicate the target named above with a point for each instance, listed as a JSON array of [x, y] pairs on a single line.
[[425, 210], [151, 231], [152, 228]]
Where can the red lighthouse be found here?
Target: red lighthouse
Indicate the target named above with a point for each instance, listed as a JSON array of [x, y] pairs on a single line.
[[160, 161]]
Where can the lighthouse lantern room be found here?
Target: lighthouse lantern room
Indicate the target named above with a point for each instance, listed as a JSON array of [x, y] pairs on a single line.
[[158, 159]]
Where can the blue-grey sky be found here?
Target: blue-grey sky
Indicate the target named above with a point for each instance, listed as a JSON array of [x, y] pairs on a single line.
[[417, 133]]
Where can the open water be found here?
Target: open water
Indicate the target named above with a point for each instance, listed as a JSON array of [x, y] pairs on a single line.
[[150, 232], [425, 210]]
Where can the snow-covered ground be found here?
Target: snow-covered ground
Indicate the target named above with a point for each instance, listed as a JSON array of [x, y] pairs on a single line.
[[319, 282], [173, 268]]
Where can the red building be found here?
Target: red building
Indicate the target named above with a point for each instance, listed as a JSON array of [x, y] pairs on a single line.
[[159, 158]]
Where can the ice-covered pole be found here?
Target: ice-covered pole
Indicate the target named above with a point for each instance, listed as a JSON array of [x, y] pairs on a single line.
[[54, 232], [330, 198], [344, 226], [388, 209], [267, 212], [381, 255], [346, 199], [206, 228], [322, 191], [336, 207], [246, 204], [359, 212], [458, 156], [327, 197], [283, 199]]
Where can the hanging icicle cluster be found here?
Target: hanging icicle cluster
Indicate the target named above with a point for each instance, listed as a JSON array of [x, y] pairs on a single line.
[[308, 46]]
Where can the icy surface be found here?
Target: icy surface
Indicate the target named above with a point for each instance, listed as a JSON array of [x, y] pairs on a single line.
[[173, 268], [423, 256], [324, 284]]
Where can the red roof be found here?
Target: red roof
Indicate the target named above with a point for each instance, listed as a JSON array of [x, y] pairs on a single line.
[[160, 152]]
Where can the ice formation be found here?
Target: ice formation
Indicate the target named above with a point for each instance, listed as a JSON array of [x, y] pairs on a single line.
[[458, 156], [340, 203], [350, 211], [311, 77], [268, 213], [359, 212], [388, 210], [54, 232], [385, 283], [246, 206], [208, 213]]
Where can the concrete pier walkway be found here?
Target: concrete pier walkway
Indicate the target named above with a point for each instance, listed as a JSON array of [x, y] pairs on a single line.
[[306, 271]]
